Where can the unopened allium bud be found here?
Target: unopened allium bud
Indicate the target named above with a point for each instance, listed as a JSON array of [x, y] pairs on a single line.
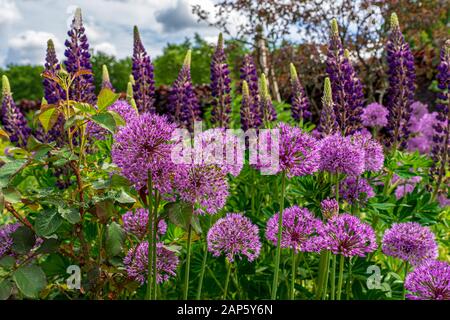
[[329, 207]]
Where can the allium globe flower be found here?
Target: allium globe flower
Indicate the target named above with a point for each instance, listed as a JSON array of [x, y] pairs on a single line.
[[373, 151], [205, 187], [143, 146], [234, 235], [6, 240], [136, 263], [405, 186], [122, 108], [298, 152], [299, 226], [355, 189], [418, 110], [339, 155], [219, 147], [420, 144], [346, 235], [329, 208], [429, 281], [375, 115], [411, 242], [137, 223]]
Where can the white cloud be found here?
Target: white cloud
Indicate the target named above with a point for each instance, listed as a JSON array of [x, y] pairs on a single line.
[[9, 13], [106, 47], [29, 47]]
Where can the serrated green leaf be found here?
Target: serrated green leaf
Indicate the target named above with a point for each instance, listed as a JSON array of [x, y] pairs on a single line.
[[5, 289], [125, 198], [23, 240], [114, 239], [9, 169], [106, 98], [12, 195], [30, 280], [48, 117], [70, 214], [105, 120], [48, 222]]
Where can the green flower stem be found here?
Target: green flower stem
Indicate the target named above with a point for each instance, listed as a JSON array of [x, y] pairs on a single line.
[[280, 230], [406, 273], [333, 277], [293, 271], [188, 259], [202, 272], [227, 280], [341, 276], [327, 269], [155, 232], [150, 236], [349, 279]]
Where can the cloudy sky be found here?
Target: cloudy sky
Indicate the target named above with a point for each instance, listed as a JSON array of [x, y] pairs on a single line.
[[26, 25]]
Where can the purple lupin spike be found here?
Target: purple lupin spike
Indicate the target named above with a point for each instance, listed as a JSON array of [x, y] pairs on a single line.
[[106, 82], [400, 93], [142, 70], [183, 104], [299, 100], [266, 107], [348, 95], [248, 74], [328, 124], [441, 139], [78, 58], [13, 121], [220, 87], [247, 116]]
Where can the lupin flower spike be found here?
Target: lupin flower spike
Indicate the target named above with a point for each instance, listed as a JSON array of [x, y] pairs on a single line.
[[106, 83], [327, 124], [267, 110], [299, 102]]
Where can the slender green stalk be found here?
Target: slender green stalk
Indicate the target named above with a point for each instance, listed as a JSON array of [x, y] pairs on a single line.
[[406, 273], [202, 272], [227, 280], [341, 277], [349, 280], [333, 277], [280, 230], [150, 236], [325, 283], [293, 271], [321, 276], [188, 259], [155, 232]]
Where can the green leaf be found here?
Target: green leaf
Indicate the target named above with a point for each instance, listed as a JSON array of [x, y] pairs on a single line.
[[47, 222], [12, 195], [72, 120], [48, 118], [117, 118], [9, 169], [106, 98], [23, 240], [85, 108], [179, 213], [30, 280], [103, 210], [7, 262], [125, 198], [48, 246], [70, 214], [5, 289], [114, 239], [105, 120]]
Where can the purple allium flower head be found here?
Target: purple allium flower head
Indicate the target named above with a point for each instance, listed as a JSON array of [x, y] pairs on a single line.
[[401, 76], [419, 143], [220, 86], [78, 58], [355, 189], [441, 139], [12, 118], [444, 200], [143, 146], [136, 263], [203, 186], [183, 104], [373, 151], [339, 155], [137, 223], [298, 151], [411, 242], [122, 108], [327, 124], [429, 281], [142, 71], [347, 88], [299, 226], [347, 235], [329, 208], [405, 186], [418, 109], [265, 103], [234, 235], [220, 147], [299, 100], [374, 115], [251, 116], [6, 240], [106, 82]]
